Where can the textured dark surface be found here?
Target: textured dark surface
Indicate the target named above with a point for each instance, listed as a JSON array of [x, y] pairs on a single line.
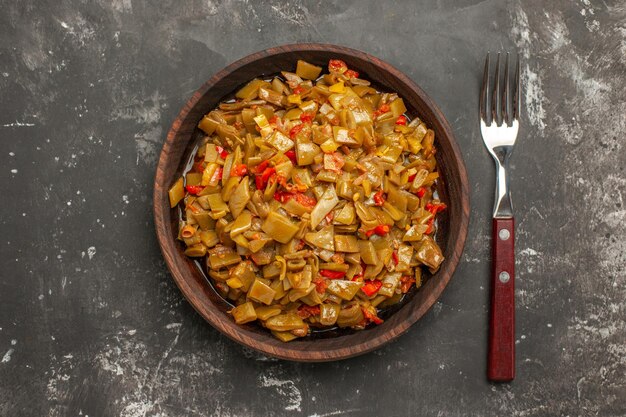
[[92, 324]]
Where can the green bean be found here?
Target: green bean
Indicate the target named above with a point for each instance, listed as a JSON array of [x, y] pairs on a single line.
[[390, 283], [307, 71], [368, 253], [241, 223], [324, 205], [196, 251], [323, 239], [284, 322], [176, 193], [244, 313], [346, 243], [261, 292], [329, 314], [346, 290], [217, 261], [239, 198], [429, 253], [350, 315], [265, 312], [250, 90]]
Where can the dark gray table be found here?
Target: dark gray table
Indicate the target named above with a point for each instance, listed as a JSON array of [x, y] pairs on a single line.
[[90, 321]]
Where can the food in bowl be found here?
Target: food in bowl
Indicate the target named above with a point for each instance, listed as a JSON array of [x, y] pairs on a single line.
[[312, 200]]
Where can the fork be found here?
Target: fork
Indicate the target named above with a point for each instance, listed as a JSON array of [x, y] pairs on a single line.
[[499, 124]]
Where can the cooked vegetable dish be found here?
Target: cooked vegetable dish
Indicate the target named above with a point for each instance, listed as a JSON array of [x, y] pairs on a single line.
[[312, 199]]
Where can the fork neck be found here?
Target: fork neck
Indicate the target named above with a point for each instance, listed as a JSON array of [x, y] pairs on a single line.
[[503, 207]]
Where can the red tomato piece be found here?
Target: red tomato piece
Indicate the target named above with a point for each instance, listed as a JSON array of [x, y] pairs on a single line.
[[194, 189], [351, 74], [337, 65], [239, 170], [291, 154], [371, 316], [306, 117], [371, 286], [295, 130], [379, 198], [401, 120], [327, 273]]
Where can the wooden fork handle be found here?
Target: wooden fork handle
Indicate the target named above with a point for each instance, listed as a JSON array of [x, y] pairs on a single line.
[[501, 360]]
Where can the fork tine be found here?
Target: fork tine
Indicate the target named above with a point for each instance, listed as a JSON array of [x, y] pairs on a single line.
[[484, 94], [496, 106], [506, 100], [518, 92]]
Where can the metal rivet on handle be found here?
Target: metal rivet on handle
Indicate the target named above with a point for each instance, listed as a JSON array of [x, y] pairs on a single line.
[[504, 277], [504, 234]]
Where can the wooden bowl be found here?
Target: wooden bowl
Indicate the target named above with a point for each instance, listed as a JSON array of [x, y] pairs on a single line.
[[325, 346]]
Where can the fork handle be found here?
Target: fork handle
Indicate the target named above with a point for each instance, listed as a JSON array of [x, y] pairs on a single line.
[[501, 361]]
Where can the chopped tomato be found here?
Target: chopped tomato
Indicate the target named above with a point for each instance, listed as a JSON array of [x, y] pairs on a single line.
[[291, 154], [382, 110], [239, 170], [430, 228], [337, 65], [379, 198], [371, 316], [401, 120], [280, 179], [295, 130], [305, 311], [298, 90], [394, 255], [267, 173], [320, 285], [282, 196], [223, 152], [261, 167], [412, 177], [405, 284], [194, 189], [351, 74], [307, 117], [371, 286], [273, 120], [380, 230], [435, 208], [305, 200], [327, 273], [300, 245], [262, 179], [420, 192]]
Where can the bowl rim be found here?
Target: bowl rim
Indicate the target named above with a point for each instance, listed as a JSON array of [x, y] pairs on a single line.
[[236, 332]]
